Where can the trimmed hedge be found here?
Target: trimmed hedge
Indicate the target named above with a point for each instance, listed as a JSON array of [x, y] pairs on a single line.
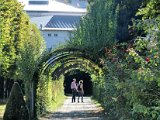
[[16, 108]]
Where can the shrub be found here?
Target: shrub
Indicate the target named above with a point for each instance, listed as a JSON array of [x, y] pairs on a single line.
[[16, 108]]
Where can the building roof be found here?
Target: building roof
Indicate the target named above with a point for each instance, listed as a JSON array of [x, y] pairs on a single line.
[[40, 21], [63, 22]]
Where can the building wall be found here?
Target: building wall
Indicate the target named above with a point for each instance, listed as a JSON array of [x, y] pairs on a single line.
[[34, 14], [41, 14], [55, 38]]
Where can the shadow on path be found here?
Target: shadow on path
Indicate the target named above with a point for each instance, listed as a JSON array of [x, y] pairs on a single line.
[[77, 111]]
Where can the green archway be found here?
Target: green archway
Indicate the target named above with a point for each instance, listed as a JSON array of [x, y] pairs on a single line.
[[54, 65]]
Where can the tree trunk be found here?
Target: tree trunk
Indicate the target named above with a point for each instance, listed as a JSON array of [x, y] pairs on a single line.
[[32, 99], [29, 97], [4, 88], [1, 87]]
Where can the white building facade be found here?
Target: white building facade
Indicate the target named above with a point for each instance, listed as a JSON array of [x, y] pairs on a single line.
[[55, 38], [55, 18]]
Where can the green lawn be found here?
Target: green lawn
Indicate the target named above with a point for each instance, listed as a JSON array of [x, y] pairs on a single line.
[[2, 107]]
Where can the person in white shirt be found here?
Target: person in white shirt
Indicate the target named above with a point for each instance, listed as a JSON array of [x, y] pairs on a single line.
[[74, 90]]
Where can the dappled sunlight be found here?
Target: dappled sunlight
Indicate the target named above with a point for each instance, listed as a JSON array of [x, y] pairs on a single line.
[[54, 49], [2, 109], [86, 110]]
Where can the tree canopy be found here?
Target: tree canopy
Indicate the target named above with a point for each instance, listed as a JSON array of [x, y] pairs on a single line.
[[17, 35], [98, 26]]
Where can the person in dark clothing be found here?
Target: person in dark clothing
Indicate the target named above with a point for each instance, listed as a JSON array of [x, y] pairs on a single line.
[[80, 90]]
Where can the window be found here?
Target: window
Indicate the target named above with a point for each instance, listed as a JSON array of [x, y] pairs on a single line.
[[55, 35], [49, 34]]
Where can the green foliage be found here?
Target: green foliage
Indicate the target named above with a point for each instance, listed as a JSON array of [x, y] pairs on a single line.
[[151, 10], [17, 35], [50, 94], [16, 108], [139, 88], [98, 28], [127, 11], [132, 84], [9, 35], [98, 87], [21, 44], [130, 87], [30, 56]]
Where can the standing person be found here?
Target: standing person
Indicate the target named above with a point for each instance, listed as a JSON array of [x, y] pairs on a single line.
[[74, 90], [80, 90]]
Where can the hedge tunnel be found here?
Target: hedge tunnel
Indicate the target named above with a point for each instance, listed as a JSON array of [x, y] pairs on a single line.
[[62, 62]]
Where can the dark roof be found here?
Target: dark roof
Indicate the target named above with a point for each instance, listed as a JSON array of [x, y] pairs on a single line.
[[63, 21]]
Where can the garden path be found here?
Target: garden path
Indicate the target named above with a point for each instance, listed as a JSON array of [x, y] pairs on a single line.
[[87, 110]]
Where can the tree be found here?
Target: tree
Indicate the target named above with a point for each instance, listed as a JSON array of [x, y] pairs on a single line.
[[10, 12], [150, 10], [127, 11], [28, 61], [21, 46], [98, 28], [9, 35], [133, 83], [17, 35], [16, 108]]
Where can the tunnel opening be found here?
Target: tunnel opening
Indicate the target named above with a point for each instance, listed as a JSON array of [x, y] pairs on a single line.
[[79, 75]]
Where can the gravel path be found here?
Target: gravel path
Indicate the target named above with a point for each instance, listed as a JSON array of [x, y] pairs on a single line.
[[77, 111]]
